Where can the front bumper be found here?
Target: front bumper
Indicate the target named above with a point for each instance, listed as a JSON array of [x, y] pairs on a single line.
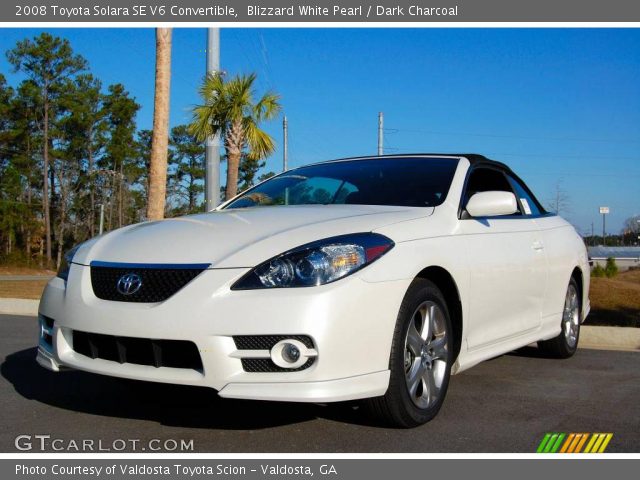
[[351, 323]]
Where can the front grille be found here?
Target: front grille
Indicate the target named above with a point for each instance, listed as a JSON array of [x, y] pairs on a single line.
[[157, 282], [141, 351], [265, 365], [266, 342]]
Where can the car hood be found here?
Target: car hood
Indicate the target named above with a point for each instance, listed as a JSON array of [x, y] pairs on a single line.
[[238, 237]]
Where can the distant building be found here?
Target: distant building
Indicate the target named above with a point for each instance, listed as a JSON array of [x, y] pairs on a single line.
[[625, 257]]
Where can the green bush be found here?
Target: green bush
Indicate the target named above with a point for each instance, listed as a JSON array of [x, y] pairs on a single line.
[[611, 269], [597, 271]]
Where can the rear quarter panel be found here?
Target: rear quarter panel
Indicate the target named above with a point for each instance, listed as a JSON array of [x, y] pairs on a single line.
[[564, 251]]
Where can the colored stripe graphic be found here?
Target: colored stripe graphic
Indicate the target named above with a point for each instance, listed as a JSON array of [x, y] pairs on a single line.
[[577, 441], [591, 443], [567, 443], [543, 443], [607, 439], [574, 442], [581, 443]]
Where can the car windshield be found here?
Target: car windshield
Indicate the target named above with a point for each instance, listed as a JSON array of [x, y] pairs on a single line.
[[400, 181]]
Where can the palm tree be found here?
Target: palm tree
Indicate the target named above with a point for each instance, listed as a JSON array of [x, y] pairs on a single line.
[[160, 138], [229, 109]]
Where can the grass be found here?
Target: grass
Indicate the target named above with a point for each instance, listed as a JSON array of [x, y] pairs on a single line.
[[31, 289], [615, 301], [11, 270]]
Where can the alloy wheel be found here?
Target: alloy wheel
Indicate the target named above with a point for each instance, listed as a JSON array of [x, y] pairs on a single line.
[[426, 354], [571, 316]]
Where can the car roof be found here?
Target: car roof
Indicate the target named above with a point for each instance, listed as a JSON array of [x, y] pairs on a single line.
[[474, 158]]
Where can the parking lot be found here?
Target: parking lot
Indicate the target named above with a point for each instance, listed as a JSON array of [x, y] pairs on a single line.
[[504, 405]]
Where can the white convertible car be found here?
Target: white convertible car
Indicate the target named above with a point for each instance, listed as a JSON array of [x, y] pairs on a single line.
[[366, 278]]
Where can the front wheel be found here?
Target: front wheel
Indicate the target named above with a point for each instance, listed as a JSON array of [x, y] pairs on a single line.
[[420, 361], [566, 344]]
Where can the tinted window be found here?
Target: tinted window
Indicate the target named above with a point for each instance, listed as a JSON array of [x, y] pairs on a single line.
[[486, 180], [529, 204], [411, 182]]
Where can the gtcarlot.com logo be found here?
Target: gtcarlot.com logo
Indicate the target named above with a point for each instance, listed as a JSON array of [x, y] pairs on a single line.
[[47, 443], [574, 443]]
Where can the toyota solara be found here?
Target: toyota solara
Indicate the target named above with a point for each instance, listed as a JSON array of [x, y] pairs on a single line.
[[367, 278]]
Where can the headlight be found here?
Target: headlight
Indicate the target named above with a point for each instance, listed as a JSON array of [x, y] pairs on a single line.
[[317, 263], [65, 265]]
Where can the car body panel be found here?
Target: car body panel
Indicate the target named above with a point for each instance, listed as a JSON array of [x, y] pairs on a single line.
[[507, 276], [564, 251], [222, 238]]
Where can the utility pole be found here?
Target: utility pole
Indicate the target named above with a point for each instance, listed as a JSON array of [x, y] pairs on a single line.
[[212, 150], [592, 237], [285, 154], [604, 211], [380, 130], [285, 144]]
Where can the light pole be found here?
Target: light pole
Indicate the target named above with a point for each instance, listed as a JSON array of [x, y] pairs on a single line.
[[380, 133], [212, 151], [285, 144], [604, 211]]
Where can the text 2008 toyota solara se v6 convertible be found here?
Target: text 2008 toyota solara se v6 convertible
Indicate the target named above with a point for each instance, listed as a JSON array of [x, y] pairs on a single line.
[[365, 278]]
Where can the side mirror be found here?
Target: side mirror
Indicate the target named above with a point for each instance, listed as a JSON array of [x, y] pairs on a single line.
[[493, 203]]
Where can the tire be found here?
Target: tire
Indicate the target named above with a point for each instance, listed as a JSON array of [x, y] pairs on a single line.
[[566, 344], [420, 360]]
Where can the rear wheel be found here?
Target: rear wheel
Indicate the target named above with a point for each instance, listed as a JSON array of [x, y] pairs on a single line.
[[566, 344], [420, 360]]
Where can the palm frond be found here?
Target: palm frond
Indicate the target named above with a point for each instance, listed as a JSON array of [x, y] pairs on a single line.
[[267, 107], [260, 143], [228, 107]]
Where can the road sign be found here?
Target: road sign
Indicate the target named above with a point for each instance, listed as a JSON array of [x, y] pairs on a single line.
[[604, 210]]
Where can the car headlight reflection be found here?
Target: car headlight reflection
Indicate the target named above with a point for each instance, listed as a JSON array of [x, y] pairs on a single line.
[[317, 263]]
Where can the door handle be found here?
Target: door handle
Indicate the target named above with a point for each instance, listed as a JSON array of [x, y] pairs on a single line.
[[537, 245]]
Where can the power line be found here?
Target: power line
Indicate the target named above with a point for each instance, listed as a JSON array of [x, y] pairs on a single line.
[[521, 137], [577, 157], [579, 174]]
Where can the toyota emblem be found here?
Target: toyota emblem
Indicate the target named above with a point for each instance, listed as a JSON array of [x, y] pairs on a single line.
[[129, 283]]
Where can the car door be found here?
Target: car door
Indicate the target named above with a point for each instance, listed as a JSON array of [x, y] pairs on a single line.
[[560, 253], [507, 267]]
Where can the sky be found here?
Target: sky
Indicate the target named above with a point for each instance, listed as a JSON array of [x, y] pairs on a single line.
[[560, 106]]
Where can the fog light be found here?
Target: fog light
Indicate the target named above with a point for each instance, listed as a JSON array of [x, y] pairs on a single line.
[[290, 353]]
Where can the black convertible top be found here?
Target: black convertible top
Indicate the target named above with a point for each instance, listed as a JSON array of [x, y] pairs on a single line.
[[474, 158]]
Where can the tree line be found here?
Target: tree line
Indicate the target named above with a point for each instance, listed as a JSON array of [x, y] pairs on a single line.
[[70, 146]]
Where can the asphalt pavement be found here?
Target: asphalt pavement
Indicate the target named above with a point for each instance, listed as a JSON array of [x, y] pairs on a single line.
[[503, 405]]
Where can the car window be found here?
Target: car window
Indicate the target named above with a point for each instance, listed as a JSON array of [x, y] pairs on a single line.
[[398, 181], [530, 205], [316, 190], [486, 180]]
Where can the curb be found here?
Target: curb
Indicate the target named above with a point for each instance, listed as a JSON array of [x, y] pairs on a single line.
[[591, 337], [610, 338], [19, 306]]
